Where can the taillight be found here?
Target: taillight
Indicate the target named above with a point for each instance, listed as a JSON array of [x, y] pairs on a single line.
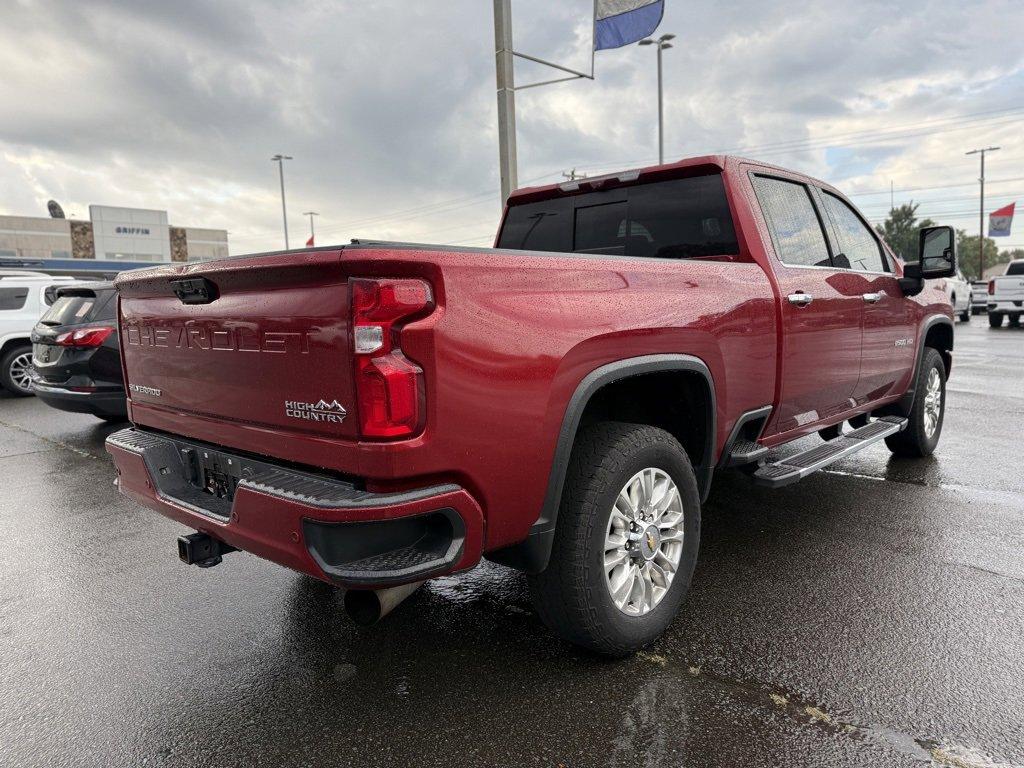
[[389, 386], [84, 337], [991, 287]]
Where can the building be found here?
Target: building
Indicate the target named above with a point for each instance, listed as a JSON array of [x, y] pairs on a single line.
[[112, 240]]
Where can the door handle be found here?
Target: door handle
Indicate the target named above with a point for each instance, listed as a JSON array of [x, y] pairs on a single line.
[[800, 299], [872, 298]]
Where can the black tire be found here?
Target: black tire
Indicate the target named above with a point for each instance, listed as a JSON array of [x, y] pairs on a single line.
[[832, 432], [1013, 320], [914, 441], [995, 319], [7, 363], [965, 316], [112, 418], [571, 594]]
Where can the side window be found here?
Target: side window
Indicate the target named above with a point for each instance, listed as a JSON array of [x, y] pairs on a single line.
[[796, 230], [13, 298], [856, 241]]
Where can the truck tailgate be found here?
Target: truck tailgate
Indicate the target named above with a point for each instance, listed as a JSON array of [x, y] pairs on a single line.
[[267, 346]]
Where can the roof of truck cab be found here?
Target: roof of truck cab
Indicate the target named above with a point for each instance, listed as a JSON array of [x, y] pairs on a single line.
[[690, 166]]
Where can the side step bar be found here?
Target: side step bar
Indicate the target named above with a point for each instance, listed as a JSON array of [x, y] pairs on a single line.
[[797, 467]]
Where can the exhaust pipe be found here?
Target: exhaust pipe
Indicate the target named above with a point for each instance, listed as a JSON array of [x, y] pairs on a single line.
[[368, 606]]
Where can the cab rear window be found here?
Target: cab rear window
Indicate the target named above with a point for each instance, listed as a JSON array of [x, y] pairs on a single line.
[[678, 219]]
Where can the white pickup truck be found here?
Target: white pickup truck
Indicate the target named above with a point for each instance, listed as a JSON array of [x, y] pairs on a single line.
[[1006, 295]]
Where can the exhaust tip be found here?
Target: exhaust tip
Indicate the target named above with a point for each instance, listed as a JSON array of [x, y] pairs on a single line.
[[363, 606], [368, 606]]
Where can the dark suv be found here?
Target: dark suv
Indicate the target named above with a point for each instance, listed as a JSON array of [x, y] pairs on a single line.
[[75, 353]]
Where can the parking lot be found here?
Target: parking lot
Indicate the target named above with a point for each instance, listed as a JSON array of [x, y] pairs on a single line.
[[868, 616]]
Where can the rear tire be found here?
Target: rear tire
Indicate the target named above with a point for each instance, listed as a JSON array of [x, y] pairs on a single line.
[[573, 595], [965, 316], [1014, 320], [14, 367], [995, 319], [924, 425]]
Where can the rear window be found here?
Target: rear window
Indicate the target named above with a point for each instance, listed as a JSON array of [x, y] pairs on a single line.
[[679, 219], [1015, 268], [75, 310]]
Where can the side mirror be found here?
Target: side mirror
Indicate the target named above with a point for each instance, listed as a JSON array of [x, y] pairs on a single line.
[[937, 252]]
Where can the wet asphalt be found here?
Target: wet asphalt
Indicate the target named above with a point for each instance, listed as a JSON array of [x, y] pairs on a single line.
[[872, 615]]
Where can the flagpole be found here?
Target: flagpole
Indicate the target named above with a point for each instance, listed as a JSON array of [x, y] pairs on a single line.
[[311, 214]]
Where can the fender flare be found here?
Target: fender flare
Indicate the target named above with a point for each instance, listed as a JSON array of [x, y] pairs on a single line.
[[532, 554]]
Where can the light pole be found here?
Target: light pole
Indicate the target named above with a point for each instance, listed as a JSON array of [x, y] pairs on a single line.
[[981, 210], [279, 159], [311, 214], [663, 44]]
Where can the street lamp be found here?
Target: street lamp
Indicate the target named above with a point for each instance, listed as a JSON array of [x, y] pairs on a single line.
[[663, 44], [279, 159]]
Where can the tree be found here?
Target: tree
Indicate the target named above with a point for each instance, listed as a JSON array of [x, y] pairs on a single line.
[[900, 230], [967, 254]]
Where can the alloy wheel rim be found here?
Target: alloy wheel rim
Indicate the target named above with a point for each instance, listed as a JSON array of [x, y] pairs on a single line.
[[932, 403], [643, 541], [20, 369]]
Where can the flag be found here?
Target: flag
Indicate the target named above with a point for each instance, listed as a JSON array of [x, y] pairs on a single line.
[[999, 221], [309, 243], [621, 22]]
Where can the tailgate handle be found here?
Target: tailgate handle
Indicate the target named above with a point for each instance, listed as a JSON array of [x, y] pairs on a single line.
[[195, 290]]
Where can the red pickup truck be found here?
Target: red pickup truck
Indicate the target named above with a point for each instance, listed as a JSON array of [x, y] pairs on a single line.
[[377, 414]]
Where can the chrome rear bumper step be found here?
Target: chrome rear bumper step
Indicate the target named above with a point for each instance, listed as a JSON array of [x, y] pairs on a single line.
[[793, 468]]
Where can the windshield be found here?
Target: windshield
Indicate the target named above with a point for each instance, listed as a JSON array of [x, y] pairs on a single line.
[[678, 219], [76, 310]]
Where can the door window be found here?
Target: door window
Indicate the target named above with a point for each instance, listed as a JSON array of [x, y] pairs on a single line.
[[793, 222], [856, 241], [13, 298]]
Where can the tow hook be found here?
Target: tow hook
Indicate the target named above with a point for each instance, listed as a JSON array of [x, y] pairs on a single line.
[[202, 549]]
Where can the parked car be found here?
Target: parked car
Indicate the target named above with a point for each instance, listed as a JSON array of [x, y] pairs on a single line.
[[979, 296], [377, 414], [24, 296], [959, 291], [1006, 295], [76, 356]]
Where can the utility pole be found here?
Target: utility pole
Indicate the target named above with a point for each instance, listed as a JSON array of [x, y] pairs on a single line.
[[892, 197], [506, 97], [981, 210], [311, 214], [572, 175], [663, 44], [279, 159]]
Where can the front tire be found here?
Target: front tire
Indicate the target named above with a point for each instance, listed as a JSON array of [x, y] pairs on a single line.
[[15, 366], [626, 540], [924, 425]]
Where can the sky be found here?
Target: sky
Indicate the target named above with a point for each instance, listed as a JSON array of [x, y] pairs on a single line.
[[388, 107]]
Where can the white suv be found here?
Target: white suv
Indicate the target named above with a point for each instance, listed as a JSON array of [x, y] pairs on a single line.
[[23, 299]]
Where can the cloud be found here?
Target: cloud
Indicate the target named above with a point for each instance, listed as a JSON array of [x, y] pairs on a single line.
[[388, 107]]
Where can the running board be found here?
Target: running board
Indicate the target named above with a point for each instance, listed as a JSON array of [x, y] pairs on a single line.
[[797, 467]]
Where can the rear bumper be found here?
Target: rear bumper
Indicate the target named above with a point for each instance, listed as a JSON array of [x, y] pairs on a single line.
[[312, 523], [102, 403], [1006, 306]]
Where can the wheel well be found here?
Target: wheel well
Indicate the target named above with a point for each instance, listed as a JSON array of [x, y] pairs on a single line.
[[940, 337], [13, 343], [677, 401]]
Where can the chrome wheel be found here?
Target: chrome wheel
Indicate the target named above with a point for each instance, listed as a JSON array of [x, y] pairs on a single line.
[[644, 541], [21, 367], [932, 402]]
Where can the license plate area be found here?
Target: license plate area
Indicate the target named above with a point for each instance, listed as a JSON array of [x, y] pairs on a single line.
[[213, 472]]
